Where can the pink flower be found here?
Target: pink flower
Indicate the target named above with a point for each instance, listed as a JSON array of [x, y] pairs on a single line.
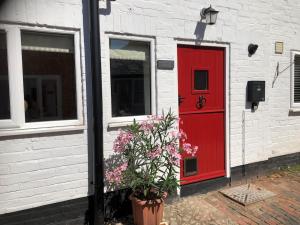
[[154, 154], [174, 154], [121, 141], [187, 147], [123, 166], [180, 121], [147, 126], [195, 148], [181, 135], [115, 176], [174, 133], [155, 118]]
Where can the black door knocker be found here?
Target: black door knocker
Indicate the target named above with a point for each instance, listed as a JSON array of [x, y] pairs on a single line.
[[201, 102]]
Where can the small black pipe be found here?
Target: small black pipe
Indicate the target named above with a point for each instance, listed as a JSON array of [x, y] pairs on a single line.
[[98, 215]]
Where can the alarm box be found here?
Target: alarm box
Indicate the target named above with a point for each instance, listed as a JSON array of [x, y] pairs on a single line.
[[256, 91]]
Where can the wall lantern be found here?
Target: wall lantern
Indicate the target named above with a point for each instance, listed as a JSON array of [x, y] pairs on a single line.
[[210, 15], [252, 49]]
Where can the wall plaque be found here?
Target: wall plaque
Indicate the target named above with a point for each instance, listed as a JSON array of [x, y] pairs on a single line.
[[165, 64], [278, 47]]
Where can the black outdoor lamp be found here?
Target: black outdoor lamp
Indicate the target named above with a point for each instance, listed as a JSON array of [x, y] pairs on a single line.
[[252, 49], [210, 15]]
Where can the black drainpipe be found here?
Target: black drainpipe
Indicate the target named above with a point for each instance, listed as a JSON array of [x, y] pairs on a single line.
[[98, 198]]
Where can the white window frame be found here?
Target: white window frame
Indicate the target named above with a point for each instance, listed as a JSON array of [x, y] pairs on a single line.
[[16, 89], [126, 120], [294, 106], [14, 61]]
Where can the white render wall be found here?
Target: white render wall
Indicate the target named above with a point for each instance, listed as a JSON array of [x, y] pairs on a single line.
[[39, 169], [271, 130]]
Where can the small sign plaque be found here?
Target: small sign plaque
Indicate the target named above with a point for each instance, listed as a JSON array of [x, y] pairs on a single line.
[[278, 47], [165, 64]]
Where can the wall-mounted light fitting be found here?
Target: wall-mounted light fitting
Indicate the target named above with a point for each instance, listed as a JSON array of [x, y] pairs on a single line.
[[210, 15], [252, 49]]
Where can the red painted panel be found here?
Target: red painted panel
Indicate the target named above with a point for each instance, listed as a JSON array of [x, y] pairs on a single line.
[[204, 124]]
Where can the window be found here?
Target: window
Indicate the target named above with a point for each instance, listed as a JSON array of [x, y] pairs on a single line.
[[297, 79], [4, 86], [295, 92], [40, 83], [201, 80], [130, 71], [49, 76]]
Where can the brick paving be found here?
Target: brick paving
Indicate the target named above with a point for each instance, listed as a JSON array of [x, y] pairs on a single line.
[[214, 208]]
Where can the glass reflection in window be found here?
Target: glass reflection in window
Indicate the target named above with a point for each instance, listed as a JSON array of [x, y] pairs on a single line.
[[130, 77], [49, 76], [4, 84]]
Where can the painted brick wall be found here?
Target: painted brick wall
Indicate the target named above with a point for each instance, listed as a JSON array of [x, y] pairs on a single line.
[[271, 130], [40, 169]]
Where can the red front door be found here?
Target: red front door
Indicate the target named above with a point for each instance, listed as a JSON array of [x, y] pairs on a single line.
[[201, 109]]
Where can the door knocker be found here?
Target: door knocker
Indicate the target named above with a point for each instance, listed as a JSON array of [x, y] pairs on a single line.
[[201, 102]]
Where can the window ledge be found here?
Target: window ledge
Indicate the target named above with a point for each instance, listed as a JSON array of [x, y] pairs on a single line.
[[294, 109], [44, 130], [119, 124], [124, 122]]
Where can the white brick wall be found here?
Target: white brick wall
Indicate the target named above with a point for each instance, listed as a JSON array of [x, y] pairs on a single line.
[[41, 169], [271, 130]]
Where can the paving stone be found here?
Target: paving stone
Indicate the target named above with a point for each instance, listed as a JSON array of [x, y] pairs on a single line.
[[213, 208]]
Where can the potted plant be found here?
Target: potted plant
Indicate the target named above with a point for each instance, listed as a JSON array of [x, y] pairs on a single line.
[[150, 156]]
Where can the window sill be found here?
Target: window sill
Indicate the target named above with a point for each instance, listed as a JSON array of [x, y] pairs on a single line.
[[119, 124], [44, 130], [124, 122]]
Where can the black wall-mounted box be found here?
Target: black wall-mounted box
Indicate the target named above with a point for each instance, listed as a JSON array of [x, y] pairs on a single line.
[[256, 91]]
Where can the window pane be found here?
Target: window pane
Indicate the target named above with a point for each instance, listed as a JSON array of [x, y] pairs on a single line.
[[130, 77], [200, 80], [49, 76], [4, 89], [297, 79]]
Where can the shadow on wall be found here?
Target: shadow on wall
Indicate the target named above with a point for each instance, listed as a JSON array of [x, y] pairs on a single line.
[[248, 105], [199, 31], [291, 113], [115, 160], [116, 202]]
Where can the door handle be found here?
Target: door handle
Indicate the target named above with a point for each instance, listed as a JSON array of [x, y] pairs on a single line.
[[201, 102], [180, 99]]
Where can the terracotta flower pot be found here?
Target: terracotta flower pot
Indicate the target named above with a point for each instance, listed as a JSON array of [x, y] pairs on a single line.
[[147, 212]]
